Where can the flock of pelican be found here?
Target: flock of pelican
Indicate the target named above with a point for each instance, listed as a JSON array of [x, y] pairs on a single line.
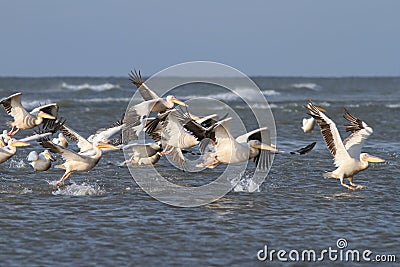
[[173, 132]]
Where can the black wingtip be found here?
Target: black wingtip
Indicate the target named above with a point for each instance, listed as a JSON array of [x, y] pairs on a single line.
[[304, 150]]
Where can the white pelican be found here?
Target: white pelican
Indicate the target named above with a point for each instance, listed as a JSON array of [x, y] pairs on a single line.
[[22, 118], [74, 162], [347, 154], [10, 149], [228, 150], [142, 154], [40, 162], [308, 124]]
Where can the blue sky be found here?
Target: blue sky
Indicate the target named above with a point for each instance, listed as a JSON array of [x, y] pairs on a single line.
[[272, 38]]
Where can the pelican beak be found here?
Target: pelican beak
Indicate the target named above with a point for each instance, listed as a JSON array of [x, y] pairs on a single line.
[[48, 156], [19, 143], [321, 109], [177, 101], [45, 115], [265, 147], [105, 145], [2, 143], [370, 158]]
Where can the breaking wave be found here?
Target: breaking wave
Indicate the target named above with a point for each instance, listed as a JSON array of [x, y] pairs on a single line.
[[86, 86], [311, 86]]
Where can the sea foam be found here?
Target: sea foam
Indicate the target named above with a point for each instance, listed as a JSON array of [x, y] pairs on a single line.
[[97, 87]]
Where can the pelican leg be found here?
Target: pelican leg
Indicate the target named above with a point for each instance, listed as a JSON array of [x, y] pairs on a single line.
[[13, 131], [63, 178], [357, 186], [346, 185], [166, 151]]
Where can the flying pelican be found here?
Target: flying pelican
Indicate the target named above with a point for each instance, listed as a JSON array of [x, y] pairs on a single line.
[[10, 149], [230, 150], [74, 162], [42, 161], [23, 119], [308, 124], [142, 154], [347, 154]]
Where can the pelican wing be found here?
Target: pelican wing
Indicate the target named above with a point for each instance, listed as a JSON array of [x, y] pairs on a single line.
[[147, 94], [360, 131], [134, 119], [330, 134], [262, 134], [33, 155], [66, 154], [264, 159], [51, 109], [174, 134], [13, 107], [104, 133], [222, 130], [82, 142], [208, 121], [142, 150]]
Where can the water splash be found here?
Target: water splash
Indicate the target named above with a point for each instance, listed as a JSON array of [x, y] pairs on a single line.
[[83, 189], [17, 164]]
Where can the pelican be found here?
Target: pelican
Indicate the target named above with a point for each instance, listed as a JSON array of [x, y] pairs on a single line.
[[10, 149], [230, 150], [347, 154], [308, 125], [74, 162], [143, 154], [42, 161], [23, 119]]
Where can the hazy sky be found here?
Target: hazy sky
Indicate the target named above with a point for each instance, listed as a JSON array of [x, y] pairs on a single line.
[[273, 38]]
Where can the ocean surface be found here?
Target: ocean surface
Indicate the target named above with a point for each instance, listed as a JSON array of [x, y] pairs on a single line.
[[103, 218]]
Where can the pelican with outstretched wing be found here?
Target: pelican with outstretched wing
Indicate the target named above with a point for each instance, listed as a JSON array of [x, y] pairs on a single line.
[[22, 118], [229, 150], [347, 154]]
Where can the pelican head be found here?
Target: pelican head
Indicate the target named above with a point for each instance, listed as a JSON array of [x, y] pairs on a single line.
[[173, 99], [48, 156], [16, 143], [44, 115], [368, 158]]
